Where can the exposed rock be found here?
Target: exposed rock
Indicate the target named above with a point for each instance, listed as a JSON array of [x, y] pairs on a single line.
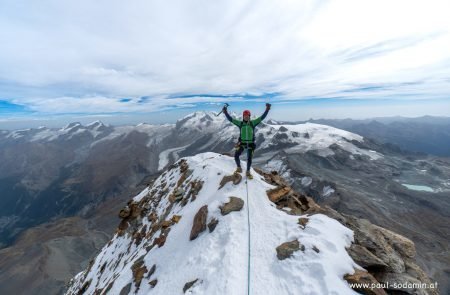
[[131, 215], [316, 249], [84, 287], [286, 249], [363, 277], [125, 290], [166, 223], [273, 177], [153, 217], [135, 210], [401, 244], [387, 256], [303, 221], [365, 258], [199, 224], [125, 212], [108, 288], [212, 224], [139, 235], [371, 237], [102, 269], [139, 269], [151, 271], [182, 178], [405, 284], [155, 227], [278, 193], [160, 240], [178, 194], [188, 285], [183, 165], [196, 186], [235, 178], [153, 283], [123, 225], [235, 204], [175, 218]]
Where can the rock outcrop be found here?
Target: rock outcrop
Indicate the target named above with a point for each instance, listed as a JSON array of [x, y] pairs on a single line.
[[199, 224], [286, 249], [235, 204], [388, 258]]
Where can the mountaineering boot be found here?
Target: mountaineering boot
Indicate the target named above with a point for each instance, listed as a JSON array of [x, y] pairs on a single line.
[[238, 170], [249, 175]]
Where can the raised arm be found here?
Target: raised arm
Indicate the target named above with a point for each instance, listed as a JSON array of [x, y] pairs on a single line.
[[229, 118], [263, 116]]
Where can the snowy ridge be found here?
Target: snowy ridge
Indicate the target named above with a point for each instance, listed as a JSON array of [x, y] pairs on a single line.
[[69, 131], [153, 254], [310, 136], [297, 138]]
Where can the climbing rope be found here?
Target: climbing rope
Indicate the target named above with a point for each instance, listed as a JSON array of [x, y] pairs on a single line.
[[249, 248]]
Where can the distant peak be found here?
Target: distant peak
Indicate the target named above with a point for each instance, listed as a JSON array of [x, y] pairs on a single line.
[[72, 125], [197, 114], [95, 123], [273, 122]]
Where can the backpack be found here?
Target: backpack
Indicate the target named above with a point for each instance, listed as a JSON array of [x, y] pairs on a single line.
[[253, 128]]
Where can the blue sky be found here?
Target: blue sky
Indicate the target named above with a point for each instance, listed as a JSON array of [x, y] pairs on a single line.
[[128, 62]]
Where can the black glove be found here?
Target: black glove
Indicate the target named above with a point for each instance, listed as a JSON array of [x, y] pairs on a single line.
[[224, 109], [268, 105]]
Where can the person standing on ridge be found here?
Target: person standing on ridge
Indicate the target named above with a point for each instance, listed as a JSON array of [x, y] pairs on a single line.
[[246, 137]]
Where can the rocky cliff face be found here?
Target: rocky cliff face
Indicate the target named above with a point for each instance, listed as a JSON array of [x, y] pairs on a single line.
[[199, 229]]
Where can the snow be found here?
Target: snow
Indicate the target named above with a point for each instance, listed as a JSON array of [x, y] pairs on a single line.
[[306, 181], [78, 132], [155, 132], [414, 187], [95, 124], [205, 121], [164, 156], [220, 259], [327, 191], [15, 135], [72, 126], [314, 137], [280, 167], [300, 138]]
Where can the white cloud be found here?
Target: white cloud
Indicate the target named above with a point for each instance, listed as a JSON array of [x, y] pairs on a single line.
[[85, 55]]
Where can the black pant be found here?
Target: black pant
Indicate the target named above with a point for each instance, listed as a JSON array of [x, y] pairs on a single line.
[[250, 148]]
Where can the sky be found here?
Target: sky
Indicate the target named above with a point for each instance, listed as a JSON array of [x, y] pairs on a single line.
[[154, 61]]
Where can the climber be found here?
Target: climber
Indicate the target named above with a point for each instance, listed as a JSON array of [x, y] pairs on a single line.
[[246, 137]]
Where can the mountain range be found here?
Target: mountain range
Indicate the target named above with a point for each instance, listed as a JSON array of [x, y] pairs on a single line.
[[63, 187]]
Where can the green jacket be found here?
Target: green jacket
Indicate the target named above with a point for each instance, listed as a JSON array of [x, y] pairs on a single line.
[[247, 129]]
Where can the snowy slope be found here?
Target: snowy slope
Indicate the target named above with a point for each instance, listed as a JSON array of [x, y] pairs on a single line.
[[227, 260], [298, 138], [309, 136]]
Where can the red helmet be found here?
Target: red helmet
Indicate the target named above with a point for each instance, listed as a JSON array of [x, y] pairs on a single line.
[[246, 113]]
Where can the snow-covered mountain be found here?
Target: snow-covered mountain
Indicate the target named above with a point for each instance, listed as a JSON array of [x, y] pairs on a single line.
[[56, 157], [199, 229], [48, 174]]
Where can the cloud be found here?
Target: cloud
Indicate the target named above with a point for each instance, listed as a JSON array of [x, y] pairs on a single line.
[[143, 56]]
